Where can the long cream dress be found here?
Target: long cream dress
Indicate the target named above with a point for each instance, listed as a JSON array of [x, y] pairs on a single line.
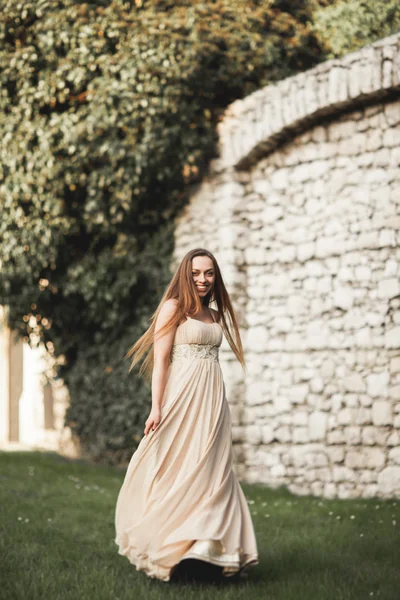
[[180, 497]]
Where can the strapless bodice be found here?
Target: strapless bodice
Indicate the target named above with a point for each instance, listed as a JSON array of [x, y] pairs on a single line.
[[193, 331]]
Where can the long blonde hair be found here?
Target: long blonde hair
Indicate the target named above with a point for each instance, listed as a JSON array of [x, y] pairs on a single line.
[[183, 289]]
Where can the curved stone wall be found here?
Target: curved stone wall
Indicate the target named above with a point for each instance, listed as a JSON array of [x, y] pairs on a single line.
[[260, 122], [302, 211]]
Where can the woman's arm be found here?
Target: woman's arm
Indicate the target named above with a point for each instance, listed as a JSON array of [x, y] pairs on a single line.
[[162, 350]]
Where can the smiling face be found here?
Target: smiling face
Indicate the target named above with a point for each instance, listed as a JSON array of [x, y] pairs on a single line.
[[203, 274]]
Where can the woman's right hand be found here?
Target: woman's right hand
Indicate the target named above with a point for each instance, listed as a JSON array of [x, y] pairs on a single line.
[[153, 420]]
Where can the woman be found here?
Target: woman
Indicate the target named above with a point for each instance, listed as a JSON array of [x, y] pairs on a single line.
[[180, 498]]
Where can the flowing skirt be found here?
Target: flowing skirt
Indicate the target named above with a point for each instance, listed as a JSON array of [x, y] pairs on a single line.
[[180, 497]]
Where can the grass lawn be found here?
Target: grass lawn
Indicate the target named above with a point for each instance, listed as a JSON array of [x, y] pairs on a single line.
[[57, 541]]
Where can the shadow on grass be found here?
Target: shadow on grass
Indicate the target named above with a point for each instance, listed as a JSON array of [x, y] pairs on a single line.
[[193, 571]]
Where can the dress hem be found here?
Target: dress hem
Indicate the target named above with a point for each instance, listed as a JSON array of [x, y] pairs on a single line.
[[143, 562]]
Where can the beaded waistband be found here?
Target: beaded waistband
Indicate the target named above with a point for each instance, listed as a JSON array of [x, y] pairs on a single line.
[[195, 351]]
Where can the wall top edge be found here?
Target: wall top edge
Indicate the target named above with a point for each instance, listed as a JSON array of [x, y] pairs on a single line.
[[257, 122]]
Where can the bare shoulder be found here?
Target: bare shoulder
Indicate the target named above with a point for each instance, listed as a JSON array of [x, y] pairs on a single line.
[[168, 308], [170, 305], [166, 313]]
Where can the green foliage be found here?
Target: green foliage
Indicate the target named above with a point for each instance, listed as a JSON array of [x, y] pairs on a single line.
[[108, 113], [347, 25]]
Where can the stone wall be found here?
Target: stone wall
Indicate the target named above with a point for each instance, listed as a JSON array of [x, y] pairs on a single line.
[[302, 210]]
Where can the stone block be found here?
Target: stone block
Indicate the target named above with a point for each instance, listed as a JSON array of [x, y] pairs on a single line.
[[297, 456], [297, 393], [389, 288], [328, 246], [317, 385], [345, 416], [394, 456], [300, 435], [278, 470], [368, 436], [305, 251], [382, 412], [271, 214], [367, 476], [310, 475], [377, 384], [255, 256], [354, 383], [337, 86], [266, 457], [281, 404], [283, 434], [259, 338], [343, 298], [337, 436], [389, 481], [342, 473], [363, 338], [370, 491], [235, 413], [391, 138], [355, 459], [317, 425], [238, 434], [329, 490], [253, 434], [374, 142], [320, 459], [261, 186], [394, 392], [381, 435], [300, 418], [392, 113], [365, 400], [280, 179], [336, 454], [392, 337], [387, 237], [327, 369], [317, 488], [351, 400], [297, 305], [353, 435], [256, 392], [375, 458], [323, 474], [282, 324], [381, 158], [267, 434], [393, 439]]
